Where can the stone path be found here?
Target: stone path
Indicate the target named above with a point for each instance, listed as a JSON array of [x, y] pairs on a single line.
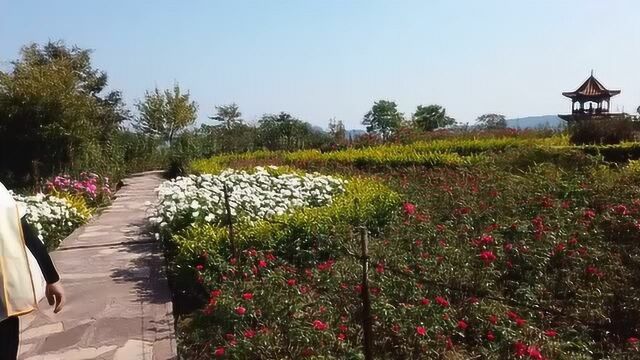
[[118, 301]]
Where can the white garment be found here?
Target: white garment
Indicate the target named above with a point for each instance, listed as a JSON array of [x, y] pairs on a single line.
[[21, 281]]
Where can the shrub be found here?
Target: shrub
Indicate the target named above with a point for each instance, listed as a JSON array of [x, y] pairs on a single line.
[[602, 131]]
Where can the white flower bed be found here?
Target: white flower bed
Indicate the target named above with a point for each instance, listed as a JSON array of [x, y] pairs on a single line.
[[253, 196], [52, 217]]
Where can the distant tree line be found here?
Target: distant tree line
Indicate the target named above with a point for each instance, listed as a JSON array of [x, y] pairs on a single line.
[[57, 114]]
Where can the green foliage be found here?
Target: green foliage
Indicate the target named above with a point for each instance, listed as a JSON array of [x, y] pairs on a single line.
[[166, 114], [229, 116], [53, 109], [383, 118], [492, 121], [602, 131], [431, 117], [337, 131]]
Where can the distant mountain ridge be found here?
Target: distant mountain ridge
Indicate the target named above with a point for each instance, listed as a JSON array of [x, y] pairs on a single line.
[[533, 122]]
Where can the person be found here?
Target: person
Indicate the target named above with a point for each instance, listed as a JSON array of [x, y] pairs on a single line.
[[27, 274]]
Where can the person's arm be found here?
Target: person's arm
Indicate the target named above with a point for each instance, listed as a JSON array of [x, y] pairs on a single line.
[[39, 251], [54, 291]]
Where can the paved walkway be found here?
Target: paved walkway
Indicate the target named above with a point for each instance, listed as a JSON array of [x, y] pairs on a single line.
[[118, 301]]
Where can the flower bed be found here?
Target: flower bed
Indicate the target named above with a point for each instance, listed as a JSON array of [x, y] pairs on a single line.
[[252, 196], [52, 217]]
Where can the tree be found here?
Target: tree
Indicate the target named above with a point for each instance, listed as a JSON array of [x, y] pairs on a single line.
[[337, 131], [383, 118], [166, 113], [54, 111], [228, 115], [492, 121], [431, 117]]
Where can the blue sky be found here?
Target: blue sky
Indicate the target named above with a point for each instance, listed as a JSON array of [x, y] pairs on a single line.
[[333, 58]]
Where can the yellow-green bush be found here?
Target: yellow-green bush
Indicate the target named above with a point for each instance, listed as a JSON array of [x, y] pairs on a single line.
[[76, 201], [365, 202]]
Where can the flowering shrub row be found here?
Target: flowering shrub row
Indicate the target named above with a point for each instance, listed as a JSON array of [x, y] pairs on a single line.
[[261, 194], [53, 217], [93, 188]]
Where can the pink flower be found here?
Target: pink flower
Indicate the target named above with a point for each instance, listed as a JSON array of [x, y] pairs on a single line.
[[442, 301], [249, 333], [487, 257], [262, 263], [341, 337], [247, 296], [633, 340], [319, 325], [199, 267], [421, 330], [490, 335], [409, 208], [219, 352], [240, 310]]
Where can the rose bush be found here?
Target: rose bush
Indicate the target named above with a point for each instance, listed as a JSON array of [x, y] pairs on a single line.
[[486, 261]]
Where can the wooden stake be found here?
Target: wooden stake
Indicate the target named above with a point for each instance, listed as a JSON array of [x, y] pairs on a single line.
[[227, 207], [366, 301]]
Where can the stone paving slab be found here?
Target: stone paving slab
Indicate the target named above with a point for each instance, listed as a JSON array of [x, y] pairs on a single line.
[[118, 300]]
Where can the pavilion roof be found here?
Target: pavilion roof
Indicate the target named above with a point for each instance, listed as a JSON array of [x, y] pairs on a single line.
[[591, 88]]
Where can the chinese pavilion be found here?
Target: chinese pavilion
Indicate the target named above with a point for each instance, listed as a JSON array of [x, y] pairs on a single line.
[[591, 100]]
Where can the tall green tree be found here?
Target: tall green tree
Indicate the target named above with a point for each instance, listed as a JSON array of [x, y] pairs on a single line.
[[492, 121], [166, 113], [431, 117], [337, 131], [383, 118], [54, 110], [229, 115]]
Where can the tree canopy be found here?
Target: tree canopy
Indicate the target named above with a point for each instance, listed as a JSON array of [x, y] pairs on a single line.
[[383, 118], [492, 121], [166, 113], [54, 110], [229, 115], [431, 117]]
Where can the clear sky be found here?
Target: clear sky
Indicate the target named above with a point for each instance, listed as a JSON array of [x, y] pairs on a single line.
[[319, 59]]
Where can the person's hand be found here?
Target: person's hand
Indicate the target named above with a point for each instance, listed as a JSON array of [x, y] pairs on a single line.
[[55, 295]]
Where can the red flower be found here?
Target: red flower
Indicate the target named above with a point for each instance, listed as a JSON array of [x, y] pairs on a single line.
[[442, 301], [219, 352], [343, 328], [215, 293], [484, 240], [199, 267], [550, 333], [490, 335], [620, 209], [409, 208], [327, 265], [358, 289], [592, 270], [520, 322], [233, 261], [425, 301], [507, 247], [291, 282], [262, 263], [488, 257], [519, 348], [462, 325], [380, 268], [421, 330], [249, 333], [247, 296], [633, 340], [341, 337], [534, 353], [589, 214], [493, 319], [559, 248], [395, 328], [440, 228], [512, 315], [240, 310], [319, 325]]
